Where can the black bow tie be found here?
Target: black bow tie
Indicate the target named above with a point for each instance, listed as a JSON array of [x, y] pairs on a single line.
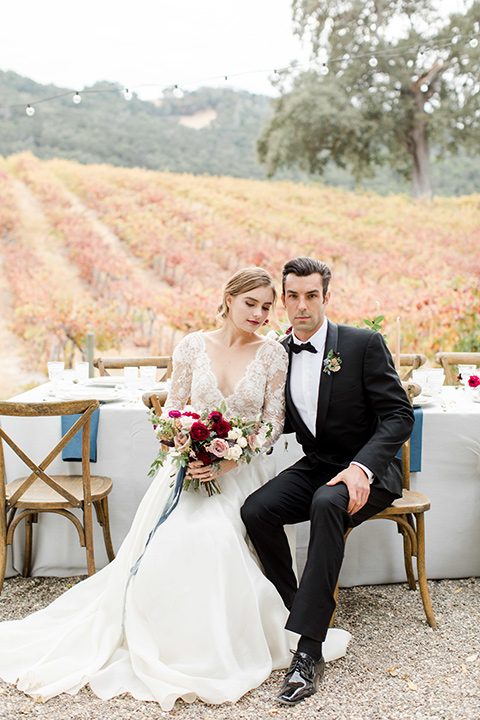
[[296, 348]]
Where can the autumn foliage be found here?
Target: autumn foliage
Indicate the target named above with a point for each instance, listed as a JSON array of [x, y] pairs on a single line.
[[417, 261]]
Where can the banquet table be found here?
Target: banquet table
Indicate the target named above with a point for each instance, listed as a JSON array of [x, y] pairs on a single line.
[[126, 444]]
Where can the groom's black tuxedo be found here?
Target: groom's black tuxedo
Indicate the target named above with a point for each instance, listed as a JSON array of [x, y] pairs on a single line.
[[363, 415]]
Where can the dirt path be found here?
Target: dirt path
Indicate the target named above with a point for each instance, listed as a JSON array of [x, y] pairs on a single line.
[[38, 235], [15, 374]]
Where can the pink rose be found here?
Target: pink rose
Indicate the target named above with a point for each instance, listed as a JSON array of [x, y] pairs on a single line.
[[474, 381], [218, 447], [182, 442], [174, 414]]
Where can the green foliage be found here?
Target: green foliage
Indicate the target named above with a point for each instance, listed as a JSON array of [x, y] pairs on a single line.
[[401, 74], [106, 129]]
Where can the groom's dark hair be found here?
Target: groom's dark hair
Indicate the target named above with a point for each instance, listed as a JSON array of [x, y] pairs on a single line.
[[303, 266]]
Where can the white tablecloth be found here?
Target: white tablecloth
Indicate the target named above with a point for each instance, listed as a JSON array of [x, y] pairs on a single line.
[[374, 554]]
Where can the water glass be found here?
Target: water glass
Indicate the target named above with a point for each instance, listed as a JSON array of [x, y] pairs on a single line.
[[55, 372], [130, 374], [82, 370], [465, 371], [147, 376]]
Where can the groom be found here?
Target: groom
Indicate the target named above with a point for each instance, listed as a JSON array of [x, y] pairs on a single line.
[[351, 415]]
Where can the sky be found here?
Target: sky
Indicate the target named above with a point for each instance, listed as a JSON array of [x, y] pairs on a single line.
[[146, 45]]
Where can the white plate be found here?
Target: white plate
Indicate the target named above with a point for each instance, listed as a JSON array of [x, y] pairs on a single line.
[[422, 400], [105, 381], [102, 394]]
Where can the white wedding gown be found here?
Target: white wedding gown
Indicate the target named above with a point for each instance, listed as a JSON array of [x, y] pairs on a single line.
[[199, 619]]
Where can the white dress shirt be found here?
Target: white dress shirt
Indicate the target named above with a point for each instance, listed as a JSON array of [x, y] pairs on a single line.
[[305, 377]]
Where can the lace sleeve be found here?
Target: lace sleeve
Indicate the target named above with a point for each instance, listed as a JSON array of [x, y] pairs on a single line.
[[181, 377], [276, 360]]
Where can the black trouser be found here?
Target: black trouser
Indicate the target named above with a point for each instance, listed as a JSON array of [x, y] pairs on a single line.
[[299, 493]]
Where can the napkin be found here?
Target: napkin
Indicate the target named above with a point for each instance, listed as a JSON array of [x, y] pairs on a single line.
[[416, 442], [73, 451]]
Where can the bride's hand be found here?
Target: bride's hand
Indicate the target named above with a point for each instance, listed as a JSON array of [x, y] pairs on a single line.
[[204, 473]]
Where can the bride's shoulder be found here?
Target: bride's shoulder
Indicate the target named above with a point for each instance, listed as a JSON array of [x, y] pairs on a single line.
[[273, 351], [188, 344]]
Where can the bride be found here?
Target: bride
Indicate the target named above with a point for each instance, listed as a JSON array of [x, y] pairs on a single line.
[[198, 619]]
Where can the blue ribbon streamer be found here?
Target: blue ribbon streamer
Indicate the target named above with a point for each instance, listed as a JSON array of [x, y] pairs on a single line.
[[170, 505]]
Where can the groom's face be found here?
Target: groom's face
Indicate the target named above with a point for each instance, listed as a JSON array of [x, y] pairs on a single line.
[[304, 302]]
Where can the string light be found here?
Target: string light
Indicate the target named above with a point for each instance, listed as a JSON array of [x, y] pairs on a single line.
[[388, 54]]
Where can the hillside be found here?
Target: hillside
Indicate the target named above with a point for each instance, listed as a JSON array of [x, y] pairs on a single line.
[[209, 131], [139, 256]]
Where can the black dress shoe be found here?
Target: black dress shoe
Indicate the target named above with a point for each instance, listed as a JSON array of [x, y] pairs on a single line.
[[301, 679]]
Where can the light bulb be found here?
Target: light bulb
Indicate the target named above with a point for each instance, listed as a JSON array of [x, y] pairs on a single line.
[[30, 110], [324, 69], [77, 98], [127, 94], [373, 62], [177, 92]]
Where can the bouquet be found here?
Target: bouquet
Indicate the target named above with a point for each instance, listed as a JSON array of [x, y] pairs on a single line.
[[209, 437]]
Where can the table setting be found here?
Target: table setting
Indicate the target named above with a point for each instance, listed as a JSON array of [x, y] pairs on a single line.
[[447, 435]]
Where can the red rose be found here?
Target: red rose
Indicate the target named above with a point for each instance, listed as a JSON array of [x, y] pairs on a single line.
[[215, 417], [222, 428], [205, 457], [474, 381], [198, 431]]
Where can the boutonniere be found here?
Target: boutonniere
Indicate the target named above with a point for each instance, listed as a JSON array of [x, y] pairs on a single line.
[[332, 363]]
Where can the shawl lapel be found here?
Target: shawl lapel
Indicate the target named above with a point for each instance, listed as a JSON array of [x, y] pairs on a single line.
[[326, 379]]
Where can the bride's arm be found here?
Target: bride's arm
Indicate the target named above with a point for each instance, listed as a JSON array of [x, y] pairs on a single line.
[[274, 402], [181, 376]]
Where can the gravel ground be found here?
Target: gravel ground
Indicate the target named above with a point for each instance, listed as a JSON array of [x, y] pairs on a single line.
[[396, 668]]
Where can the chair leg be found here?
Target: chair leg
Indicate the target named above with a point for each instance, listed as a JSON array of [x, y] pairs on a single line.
[[335, 595], [407, 556], [88, 528], [101, 508], [27, 559], [3, 547], [422, 575]]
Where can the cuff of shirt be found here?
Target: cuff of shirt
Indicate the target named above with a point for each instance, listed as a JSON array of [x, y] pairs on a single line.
[[367, 472]]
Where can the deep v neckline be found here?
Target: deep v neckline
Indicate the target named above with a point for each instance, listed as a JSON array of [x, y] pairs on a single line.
[[247, 368]]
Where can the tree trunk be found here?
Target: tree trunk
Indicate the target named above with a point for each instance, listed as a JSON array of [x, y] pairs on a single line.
[[421, 181]]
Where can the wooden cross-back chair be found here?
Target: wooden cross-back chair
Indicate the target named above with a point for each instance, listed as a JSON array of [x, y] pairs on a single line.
[[161, 362], [447, 359], [408, 512], [412, 361], [25, 497], [155, 399]]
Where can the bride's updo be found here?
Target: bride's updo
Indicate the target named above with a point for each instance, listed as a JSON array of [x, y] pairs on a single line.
[[243, 281]]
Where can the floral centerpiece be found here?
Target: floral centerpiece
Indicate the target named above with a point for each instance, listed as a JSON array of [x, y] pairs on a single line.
[[209, 437]]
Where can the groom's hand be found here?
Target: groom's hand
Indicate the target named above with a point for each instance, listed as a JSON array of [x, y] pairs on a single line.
[[357, 484]]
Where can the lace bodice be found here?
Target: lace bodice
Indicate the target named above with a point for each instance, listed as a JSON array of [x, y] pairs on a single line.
[[261, 390]]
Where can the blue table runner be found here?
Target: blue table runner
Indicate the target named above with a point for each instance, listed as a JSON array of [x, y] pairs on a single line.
[[73, 451], [415, 442]]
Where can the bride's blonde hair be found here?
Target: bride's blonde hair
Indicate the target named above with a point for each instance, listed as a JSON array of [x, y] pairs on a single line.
[[243, 281]]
